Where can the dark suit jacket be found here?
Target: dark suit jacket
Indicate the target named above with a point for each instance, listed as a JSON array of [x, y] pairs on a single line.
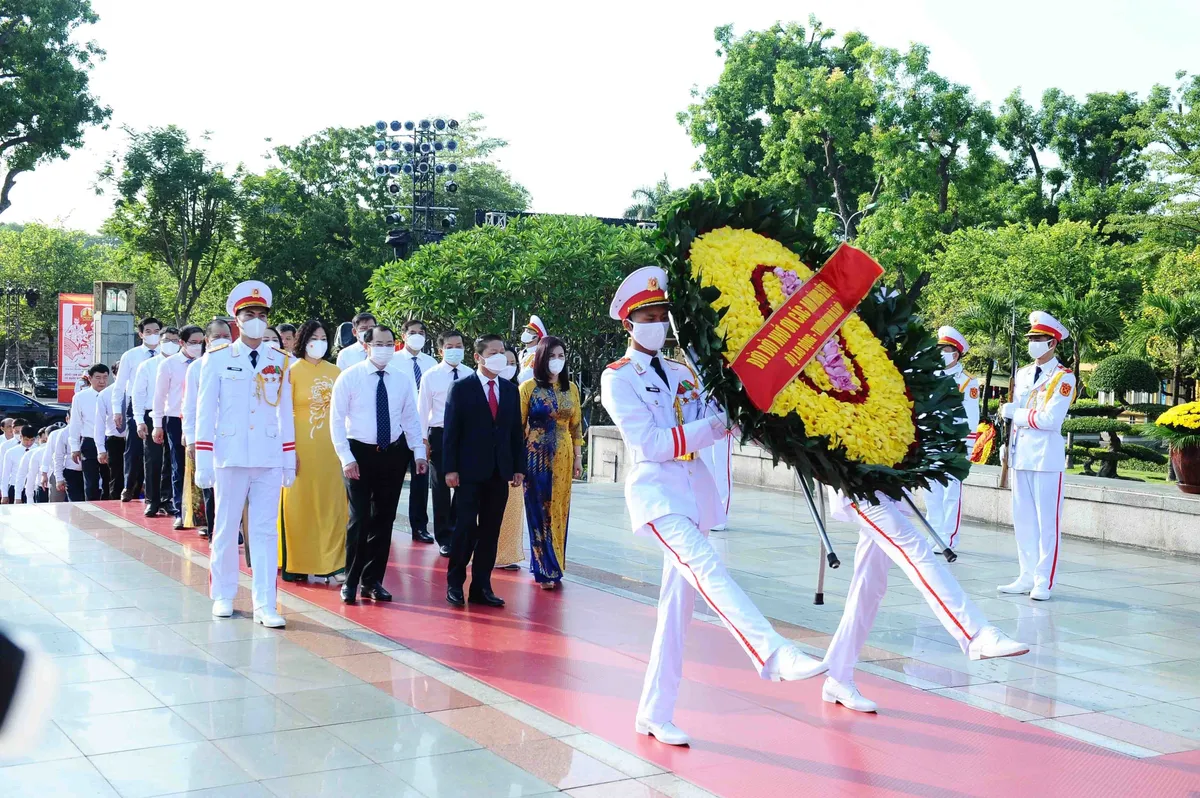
[[476, 447]]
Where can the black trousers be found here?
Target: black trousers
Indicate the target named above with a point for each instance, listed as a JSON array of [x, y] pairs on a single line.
[[74, 480], [373, 499], [112, 475], [91, 470], [480, 508], [443, 500], [175, 456], [157, 468], [418, 498], [210, 507], [133, 456]]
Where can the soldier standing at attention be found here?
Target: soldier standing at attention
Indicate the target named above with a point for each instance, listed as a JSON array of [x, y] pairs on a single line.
[[245, 449], [1037, 455], [943, 503], [660, 409]]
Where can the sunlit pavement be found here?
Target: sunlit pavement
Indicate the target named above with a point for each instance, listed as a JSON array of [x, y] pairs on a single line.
[[417, 699]]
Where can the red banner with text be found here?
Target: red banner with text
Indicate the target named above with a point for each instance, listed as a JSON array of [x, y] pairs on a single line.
[[795, 332], [76, 342]]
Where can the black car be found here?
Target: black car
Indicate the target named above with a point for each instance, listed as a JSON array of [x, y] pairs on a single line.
[[32, 411]]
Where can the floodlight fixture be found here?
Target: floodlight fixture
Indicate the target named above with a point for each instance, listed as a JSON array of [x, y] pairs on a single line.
[[381, 126], [452, 145], [394, 188], [395, 146], [449, 220], [409, 125], [407, 168], [425, 124], [437, 146], [452, 168], [395, 125], [393, 169], [439, 168], [380, 170], [453, 124], [380, 145], [451, 187]]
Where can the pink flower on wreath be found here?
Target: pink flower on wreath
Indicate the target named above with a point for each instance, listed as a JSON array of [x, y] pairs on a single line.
[[830, 357]]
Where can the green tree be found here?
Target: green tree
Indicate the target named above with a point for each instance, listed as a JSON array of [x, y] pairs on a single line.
[[45, 94], [649, 200], [175, 206], [563, 268], [990, 321], [1168, 329]]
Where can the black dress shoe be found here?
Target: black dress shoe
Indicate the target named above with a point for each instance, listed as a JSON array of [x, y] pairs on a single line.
[[376, 593], [486, 597], [126, 496], [421, 536], [454, 595], [444, 551], [151, 512], [349, 594]]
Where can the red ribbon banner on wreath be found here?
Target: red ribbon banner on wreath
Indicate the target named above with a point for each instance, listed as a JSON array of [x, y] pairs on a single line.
[[795, 332]]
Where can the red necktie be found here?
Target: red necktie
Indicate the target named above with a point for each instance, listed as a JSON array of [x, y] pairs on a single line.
[[493, 403]]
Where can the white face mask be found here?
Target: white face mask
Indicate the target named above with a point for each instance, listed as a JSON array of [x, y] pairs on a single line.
[[651, 335], [495, 363], [415, 341], [452, 357], [527, 337], [362, 336], [169, 348], [948, 358], [151, 339], [1038, 348], [254, 329], [382, 355], [508, 372], [193, 350], [556, 365], [316, 348]]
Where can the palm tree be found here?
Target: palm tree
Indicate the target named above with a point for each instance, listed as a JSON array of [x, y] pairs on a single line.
[[1092, 319], [1174, 323], [648, 200], [992, 316]]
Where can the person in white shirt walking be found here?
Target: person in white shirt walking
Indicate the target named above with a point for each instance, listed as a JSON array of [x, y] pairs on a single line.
[[156, 466], [12, 437], [356, 352], [431, 408], [12, 462], [1037, 456], [246, 449], [216, 335], [110, 444], [84, 407], [66, 473], [375, 429], [167, 408], [48, 486], [122, 404], [25, 484], [413, 359]]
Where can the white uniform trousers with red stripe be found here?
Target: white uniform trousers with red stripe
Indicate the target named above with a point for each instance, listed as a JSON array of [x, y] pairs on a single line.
[[885, 536], [691, 565], [943, 509], [1037, 513], [234, 485]]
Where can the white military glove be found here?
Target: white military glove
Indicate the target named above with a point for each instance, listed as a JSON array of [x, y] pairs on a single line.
[[720, 431], [205, 478], [1007, 410], [289, 477]]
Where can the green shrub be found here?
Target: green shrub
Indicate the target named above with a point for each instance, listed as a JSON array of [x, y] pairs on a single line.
[[1144, 453], [1144, 467], [1151, 410], [1094, 426], [1122, 373], [1092, 407]]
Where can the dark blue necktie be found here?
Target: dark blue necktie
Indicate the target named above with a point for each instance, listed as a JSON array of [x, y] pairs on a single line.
[[454, 374], [253, 358], [417, 370], [1037, 374], [383, 421]]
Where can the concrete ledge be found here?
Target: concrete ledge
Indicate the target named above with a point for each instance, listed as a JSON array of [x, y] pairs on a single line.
[[1141, 514]]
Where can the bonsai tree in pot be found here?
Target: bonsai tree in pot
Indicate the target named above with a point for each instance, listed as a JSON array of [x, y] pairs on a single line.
[[1180, 428]]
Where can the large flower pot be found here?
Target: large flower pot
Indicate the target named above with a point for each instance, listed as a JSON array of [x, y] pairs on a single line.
[[1187, 468]]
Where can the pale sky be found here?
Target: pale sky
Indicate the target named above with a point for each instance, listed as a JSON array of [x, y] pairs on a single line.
[[586, 93]]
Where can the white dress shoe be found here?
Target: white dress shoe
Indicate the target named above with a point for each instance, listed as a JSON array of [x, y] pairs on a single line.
[[991, 643], [1040, 593], [790, 664], [1015, 587], [223, 608], [667, 733], [269, 618], [719, 528], [834, 692]]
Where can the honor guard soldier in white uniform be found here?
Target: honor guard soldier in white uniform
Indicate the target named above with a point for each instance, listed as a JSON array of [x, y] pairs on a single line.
[[660, 408], [245, 448], [1037, 456], [943, 503], [534, 332]]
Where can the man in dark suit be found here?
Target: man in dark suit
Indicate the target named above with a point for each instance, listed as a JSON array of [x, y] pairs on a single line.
[[484, 453]]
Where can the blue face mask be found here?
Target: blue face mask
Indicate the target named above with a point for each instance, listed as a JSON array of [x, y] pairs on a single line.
[[452, 357]]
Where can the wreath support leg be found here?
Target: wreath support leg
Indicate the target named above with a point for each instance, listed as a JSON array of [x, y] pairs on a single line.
[[827, 552], [946, 552]]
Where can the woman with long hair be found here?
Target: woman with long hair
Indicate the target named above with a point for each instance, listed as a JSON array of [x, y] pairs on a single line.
[[313, 515], [554, 457], [508, 550]]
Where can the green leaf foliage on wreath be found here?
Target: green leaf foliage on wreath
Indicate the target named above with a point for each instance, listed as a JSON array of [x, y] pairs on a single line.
[[890, 312]]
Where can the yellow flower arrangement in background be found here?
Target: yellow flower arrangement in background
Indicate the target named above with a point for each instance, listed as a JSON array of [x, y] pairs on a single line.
[[1186, 416], [878, 430]]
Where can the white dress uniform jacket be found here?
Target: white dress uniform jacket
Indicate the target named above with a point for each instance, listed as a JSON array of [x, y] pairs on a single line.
[[1037, 416], [660, 484]]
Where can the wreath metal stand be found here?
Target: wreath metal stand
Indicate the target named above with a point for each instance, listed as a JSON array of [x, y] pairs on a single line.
[[946, 552], [818, 510]]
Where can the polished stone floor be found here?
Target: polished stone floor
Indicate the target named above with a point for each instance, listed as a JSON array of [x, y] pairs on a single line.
[[1115, 657]]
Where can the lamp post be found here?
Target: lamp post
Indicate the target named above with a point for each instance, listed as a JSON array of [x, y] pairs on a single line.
[[420, 152]]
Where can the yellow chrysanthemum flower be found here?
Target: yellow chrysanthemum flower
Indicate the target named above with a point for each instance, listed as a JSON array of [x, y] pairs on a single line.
[[1185, 416], [876, 431]]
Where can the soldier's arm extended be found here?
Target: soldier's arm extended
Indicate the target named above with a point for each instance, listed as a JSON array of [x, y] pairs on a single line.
[[654, 443]]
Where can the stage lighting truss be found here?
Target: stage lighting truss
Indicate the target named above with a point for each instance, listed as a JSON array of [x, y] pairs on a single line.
[[408, 156]]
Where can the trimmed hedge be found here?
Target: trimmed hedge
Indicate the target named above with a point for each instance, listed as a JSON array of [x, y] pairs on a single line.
[[1092, 407], [1152, 410], [1144, 453], [1121, 373], [1094, 426]]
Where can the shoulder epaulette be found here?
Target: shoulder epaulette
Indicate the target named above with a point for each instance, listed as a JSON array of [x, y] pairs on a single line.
[[280, 351], [1061, 367], [616, 364], [218, 348]]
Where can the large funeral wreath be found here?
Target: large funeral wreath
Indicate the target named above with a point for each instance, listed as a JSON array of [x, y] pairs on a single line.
[[868, 414]]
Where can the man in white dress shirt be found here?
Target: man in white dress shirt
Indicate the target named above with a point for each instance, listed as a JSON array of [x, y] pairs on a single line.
[[356, 352], [431, 407], [375, 432], [110, 444], [12, 437], [413, 359], [49, 484], [12, 461], [25, 483], [218, 334], [156, 467], [167, 408], [66, 473], [84, 407], [122, 404], [246, 449]]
